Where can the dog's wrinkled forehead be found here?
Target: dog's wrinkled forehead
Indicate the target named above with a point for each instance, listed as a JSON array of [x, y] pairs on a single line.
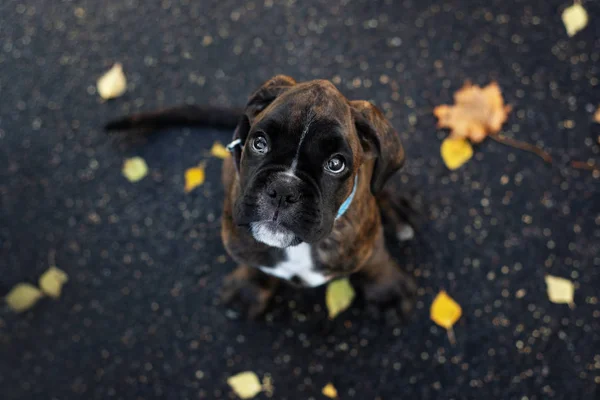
[[308, 103]]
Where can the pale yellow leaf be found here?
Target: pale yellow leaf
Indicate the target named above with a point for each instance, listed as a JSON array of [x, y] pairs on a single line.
[[219, 151], [23, 296], [456, 152], [194, 177], [338, 296], [560, 290], [245, 384], [52, 281], [135, 169], [444, 310], [575, 18], [113, 83], [330, 391]]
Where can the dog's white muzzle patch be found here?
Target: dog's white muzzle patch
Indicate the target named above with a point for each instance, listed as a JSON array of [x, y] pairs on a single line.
[[271, 234]]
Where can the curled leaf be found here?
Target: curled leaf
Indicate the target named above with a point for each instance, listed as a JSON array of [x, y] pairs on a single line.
[[330, 391], [560, 290], [245, 384], [52, 281], [456, 152], [194, 177], [23, 296], [338, 296], [219, 151], [575, 18], [477, 112], [113, 83], [135, 169]]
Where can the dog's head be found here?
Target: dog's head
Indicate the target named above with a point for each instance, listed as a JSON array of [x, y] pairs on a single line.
[[303, 144]]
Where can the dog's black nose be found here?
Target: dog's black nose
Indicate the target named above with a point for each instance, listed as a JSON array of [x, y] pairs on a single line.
[[282, 193]]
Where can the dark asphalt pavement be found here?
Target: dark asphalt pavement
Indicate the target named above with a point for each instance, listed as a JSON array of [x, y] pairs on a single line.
[[139, 318]]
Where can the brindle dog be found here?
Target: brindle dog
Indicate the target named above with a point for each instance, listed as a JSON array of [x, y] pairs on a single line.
[[304, 191]]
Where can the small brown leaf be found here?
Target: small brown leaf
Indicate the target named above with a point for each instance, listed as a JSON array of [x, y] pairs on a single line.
[[23, 296], [477, 112]]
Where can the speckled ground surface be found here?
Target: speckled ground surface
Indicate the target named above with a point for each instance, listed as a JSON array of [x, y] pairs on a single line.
[[139, 319]]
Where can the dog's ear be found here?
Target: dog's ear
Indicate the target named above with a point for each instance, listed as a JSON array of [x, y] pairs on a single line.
[[260, 99], [373, 128]]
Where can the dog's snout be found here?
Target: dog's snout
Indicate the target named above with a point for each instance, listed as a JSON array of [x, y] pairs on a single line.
[[283, 193]]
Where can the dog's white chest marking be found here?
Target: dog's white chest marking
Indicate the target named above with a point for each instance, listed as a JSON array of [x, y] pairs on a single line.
[[298, 264]]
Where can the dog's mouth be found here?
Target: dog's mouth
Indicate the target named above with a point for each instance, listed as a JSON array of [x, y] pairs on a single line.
[[274, 234]]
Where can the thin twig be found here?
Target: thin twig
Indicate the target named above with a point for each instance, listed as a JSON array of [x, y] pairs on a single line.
[[584, 165], [522, 146]]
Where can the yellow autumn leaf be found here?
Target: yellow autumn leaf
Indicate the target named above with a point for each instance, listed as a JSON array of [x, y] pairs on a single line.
[[194, 177], [560, 290], [330, 391], [444, 310], [575, 18], [338, 296], [22, 297], [219, 151], [245, 384], [135, 169], [113, 83], [456, 152], [52, 281]]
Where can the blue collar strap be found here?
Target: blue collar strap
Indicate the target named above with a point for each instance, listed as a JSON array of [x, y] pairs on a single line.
[[346, 204]]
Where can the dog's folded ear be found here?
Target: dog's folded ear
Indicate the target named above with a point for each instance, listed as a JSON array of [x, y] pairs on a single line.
[[260, 99], [374, 128]]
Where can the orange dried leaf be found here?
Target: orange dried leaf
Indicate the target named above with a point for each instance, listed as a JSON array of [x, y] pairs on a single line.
[[444, 310], [477, 112], [597, 115]]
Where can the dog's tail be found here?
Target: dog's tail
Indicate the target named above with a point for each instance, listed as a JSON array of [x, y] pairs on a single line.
[[184, 115]]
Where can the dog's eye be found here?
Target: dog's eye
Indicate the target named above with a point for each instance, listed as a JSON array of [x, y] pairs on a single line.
[[335, 165], [260, 145]]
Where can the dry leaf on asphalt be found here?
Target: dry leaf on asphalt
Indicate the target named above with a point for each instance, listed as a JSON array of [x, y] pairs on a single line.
[[194, 177], [477, 112], [456, 152], [245, 384], [135, 169], [52, 281], [113, 83], [560, 290], [575, 18], [445, 312], [597, 115], [338, 296], [23, 296], [330, 391], [219, 151]]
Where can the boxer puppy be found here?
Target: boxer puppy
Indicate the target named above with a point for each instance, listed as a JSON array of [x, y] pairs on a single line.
[[304, 192]]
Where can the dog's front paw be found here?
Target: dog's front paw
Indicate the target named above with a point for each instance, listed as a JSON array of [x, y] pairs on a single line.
[[248, 291], [396, 290]]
